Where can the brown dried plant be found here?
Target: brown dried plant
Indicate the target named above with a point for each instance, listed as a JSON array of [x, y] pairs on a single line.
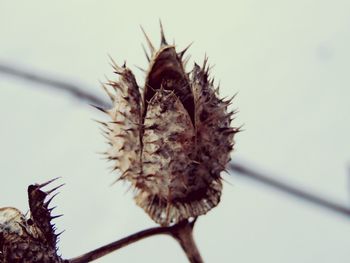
[[170, 142], [29, 239]]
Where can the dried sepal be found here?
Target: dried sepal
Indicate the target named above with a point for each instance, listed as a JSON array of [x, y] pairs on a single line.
[[167, 140], [29, 239], [124, 130], [181, 136]]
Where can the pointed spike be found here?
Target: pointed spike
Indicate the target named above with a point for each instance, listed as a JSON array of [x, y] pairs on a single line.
[[149, 43], [205, 61], [110, 95], [60, 233], [100, 122], [229, 100], [212, 82], [99, 108], [116, 86], [196, 67], [114, 158], [54, 189], [143, 70], [162, 36], [117, 122], [115, 66], [185, 61], [52, 208], [145, 51], [48, 182], [182, 53], [57, 216], [49, 201]]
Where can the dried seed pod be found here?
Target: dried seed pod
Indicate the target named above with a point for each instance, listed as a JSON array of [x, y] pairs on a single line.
[[33, 239], [172, 144]]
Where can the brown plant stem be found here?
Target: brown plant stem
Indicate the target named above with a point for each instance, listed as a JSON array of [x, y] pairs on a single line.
[[182, 232], [184, 236]]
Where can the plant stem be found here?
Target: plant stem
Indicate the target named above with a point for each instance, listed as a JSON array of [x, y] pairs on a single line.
[[104, 250], [182, 232], [184, 235]]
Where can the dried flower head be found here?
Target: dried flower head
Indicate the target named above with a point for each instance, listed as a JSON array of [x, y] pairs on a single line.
[[33, 239], [172, 142]]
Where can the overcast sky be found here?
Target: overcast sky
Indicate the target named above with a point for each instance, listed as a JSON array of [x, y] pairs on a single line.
[[288, 61]]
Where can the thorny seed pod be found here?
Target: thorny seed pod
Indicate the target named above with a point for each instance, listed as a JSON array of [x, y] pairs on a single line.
[[172, 142], [33, 239]]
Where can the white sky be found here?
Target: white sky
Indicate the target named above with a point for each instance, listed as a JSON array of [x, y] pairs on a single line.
[[289, 61]]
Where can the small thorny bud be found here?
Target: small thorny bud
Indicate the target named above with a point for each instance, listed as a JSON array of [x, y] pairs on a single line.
[[29, 239], [173, 141]]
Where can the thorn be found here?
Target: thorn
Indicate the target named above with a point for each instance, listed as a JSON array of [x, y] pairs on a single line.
[[99, 108], [212, 83], [182, 53], [143, 70], [102, 153], [127, 98], [52, 208], [228, 101], [117, 122], [240, 128], [115, 66], [209, 69], [110, 95], [149, 43], [116, 85], [54, 189], [144, 50], [114, 158], [49, 201], [162, 36], [54, 217], [205, 61], [120, 178], [48, 182], [100, 122], [185, 61], [60, 233]]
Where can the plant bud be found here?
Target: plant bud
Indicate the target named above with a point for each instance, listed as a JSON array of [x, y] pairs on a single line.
[[173, 141]]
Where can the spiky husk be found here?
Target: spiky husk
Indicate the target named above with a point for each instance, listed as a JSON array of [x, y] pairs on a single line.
[[173, 144], [33, 239]]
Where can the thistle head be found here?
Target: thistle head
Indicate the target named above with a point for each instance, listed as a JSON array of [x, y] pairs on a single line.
[[172, 141]]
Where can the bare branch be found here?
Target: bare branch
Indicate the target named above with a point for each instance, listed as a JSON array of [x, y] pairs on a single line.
[[293, 191], [180, 229], [72, 89]]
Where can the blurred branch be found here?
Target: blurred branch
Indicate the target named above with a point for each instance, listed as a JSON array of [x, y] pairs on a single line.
[[239, 169], [293, 191], [72, 89]]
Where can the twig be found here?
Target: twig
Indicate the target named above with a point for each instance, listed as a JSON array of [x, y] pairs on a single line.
[[180, 232], [293, 191], [72, 89]]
